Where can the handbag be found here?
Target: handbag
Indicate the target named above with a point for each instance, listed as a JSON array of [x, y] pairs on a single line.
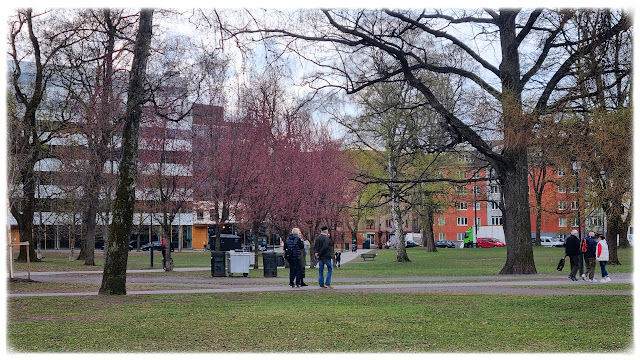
[[561, 264]]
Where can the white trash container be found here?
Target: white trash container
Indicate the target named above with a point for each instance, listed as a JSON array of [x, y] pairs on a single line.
[[239, 263]]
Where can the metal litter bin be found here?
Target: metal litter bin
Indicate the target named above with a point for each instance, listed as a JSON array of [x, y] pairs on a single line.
[[238, 263], [270, 264], [218, 268]]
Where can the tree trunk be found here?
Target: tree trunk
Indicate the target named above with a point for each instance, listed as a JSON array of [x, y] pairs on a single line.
[[615, 228], [255, 227], [516, 218], [24, 216], [114, 277], [88, 244], [428, 236]]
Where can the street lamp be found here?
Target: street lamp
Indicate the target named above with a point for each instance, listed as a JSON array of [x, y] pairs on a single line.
[[576, 166]]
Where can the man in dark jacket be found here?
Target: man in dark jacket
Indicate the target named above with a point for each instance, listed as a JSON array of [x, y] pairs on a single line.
[[292, 247], [572, 250], [323, 252], [590, 258]]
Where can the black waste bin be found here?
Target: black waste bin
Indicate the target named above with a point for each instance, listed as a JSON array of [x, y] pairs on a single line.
[[365, 244], [346, 246], [218, 268], [269, 263]]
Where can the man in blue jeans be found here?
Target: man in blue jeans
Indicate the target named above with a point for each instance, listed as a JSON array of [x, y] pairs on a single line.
[[323, 252]]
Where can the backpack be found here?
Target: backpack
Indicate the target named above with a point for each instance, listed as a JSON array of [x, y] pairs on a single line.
[[583, 245], [288, 253]]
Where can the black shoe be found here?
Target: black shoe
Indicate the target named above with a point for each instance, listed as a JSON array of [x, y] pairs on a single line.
[[303, 284]]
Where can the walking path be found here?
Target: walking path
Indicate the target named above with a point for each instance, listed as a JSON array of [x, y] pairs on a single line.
[[540, 284]]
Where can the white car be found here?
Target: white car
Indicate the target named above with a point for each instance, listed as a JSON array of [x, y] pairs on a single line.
[[551, 242]]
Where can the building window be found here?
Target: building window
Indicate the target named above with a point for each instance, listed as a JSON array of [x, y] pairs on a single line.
[[461, 190], [574, 205], [575, 222], [369, 224], [415, 225], [560, 172], [494, 189], [562, 189], [463, 221], [596, 222], [200, 215], [441, 221], [562, 222], [476, 189], [477, 206], [442, 236], [496, 220], [462, 174], [460, 236], [574, 189], [478, 222], [494, 206], [461, 205], [475, 175], [562, 205]]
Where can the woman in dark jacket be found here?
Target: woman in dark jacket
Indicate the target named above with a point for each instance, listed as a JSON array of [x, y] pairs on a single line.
[[292, 247]]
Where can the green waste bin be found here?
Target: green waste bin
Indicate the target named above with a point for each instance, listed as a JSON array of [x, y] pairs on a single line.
[[218, 268], [269, 263]]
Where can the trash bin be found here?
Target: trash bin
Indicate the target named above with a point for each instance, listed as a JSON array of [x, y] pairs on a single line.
[[269, 263], [252, 257], [218, 264], [346, 246], [238, 263], [365, 244]]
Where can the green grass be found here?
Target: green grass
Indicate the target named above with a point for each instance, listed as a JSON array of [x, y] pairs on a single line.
[[319, 322], [462, 262], [445, 262]]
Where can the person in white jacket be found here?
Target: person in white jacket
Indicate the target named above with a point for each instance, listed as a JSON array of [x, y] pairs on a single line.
[[602, 256]]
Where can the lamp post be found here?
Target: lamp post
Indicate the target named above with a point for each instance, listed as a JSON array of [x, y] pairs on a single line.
[[576, 166]]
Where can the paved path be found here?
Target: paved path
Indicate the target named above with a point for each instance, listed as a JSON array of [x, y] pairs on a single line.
[[540, 284]]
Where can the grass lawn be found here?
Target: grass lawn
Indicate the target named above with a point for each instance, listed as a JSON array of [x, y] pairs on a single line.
[[295, 321], [463, 262], [445, 262]]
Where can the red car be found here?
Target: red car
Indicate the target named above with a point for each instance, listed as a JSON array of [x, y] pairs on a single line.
[[489, 242]]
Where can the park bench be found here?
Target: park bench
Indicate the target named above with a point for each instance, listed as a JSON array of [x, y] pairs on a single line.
[[368, 256]]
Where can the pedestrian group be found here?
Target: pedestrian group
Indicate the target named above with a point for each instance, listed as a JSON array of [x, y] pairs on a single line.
[[583, 255], [296, 249]]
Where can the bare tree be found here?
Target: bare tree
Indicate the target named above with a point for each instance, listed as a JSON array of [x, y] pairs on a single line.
[[35, 41], [115, 268], [538, 53]]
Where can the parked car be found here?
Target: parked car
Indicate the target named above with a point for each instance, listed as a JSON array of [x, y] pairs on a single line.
[[410, 243], [157, 245], [489, 242], [445, 244], [548, 241]]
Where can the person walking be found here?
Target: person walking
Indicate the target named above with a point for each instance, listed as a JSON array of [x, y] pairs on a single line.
[[583, 249], [323, 254], [590, 258], [572, 250], [292, 247], [602, 256]]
